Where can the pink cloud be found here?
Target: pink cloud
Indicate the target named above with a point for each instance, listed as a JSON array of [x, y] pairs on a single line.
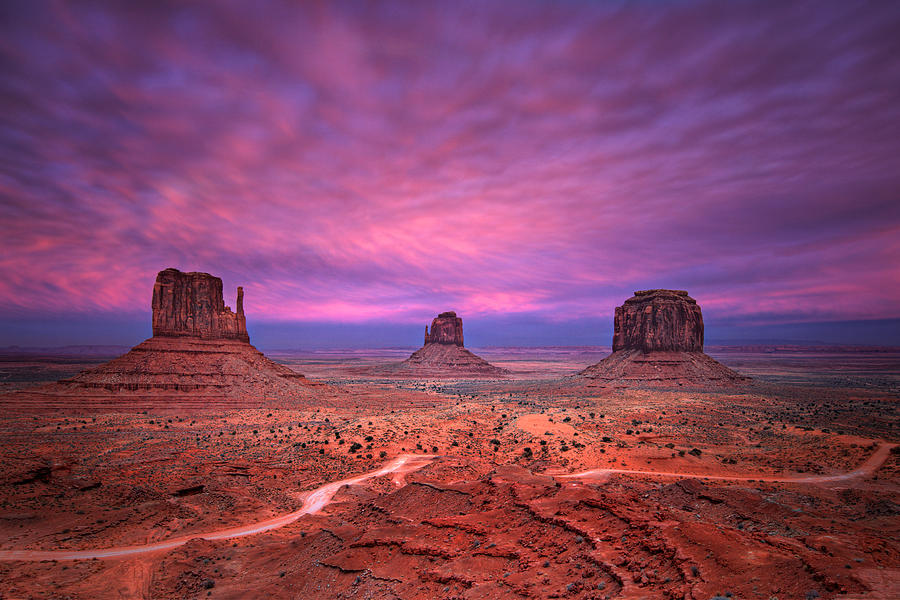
[[386, 162]]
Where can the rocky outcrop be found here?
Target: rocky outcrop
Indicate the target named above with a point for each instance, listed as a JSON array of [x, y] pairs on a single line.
[[199, 348], [658, 341], [443, 354], [446, 328], [659, 320], [192, 305]]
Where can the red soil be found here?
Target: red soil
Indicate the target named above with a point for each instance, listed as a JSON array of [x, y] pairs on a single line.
[[541, 488]]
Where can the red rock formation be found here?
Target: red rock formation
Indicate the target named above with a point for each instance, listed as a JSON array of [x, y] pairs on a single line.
[[191, 305], [659, 320], [446, 328], [658, 339], [443, 354], [199, 347]]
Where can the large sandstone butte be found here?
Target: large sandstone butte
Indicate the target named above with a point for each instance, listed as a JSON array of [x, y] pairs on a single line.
[[199, 348], [446, 328], [659, 320], [658, 340], [192, 305], [443, 354]]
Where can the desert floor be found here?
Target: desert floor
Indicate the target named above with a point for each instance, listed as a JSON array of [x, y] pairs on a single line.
[[533, 486]]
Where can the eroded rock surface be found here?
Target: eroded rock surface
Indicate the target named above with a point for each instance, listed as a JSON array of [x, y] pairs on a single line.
[[446, 328], [659, 320], [192, 305]]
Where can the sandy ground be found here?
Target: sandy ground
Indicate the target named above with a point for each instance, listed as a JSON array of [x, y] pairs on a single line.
[[534, 487]]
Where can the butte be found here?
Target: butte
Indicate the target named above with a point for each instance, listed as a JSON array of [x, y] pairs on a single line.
[[658, 341], [199, 350], [443, 354]]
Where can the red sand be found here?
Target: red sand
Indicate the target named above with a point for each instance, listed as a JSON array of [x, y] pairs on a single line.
[[759, 491]]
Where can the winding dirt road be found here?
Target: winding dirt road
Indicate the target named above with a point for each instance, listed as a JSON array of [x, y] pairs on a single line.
[[406, 463], [313, 503], [867, 468]]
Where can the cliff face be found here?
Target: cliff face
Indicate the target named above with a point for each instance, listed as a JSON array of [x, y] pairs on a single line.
[[191, 305], [658, 341], [446, 328], [659, 320]]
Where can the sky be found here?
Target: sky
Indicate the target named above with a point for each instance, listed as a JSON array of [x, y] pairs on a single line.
[[361, 166]]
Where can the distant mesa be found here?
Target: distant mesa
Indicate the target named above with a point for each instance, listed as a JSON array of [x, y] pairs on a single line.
[[443, 354], [199, 346], [658, 340]]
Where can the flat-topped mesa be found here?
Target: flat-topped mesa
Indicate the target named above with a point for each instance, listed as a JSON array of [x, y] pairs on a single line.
[[446, 329], [658, 341], [659, 320], [191, 305]]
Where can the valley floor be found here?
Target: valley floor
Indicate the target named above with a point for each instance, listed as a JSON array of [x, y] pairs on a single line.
[[533, 486]]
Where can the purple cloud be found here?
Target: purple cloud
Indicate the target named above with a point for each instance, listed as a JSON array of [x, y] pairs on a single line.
[[349, 161]]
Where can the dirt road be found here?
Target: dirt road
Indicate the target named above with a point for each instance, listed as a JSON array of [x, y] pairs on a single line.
[[867, 468], [315, 501]]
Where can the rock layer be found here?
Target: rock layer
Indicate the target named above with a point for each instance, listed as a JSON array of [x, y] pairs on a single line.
[[191, 305], [658, 341], [659, 320], [443, 354], [186, 365]]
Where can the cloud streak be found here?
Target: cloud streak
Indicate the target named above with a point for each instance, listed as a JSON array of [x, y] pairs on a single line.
[[360, 161]]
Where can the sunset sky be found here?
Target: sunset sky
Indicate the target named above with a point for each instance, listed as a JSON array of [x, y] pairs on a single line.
[[361, 166]]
